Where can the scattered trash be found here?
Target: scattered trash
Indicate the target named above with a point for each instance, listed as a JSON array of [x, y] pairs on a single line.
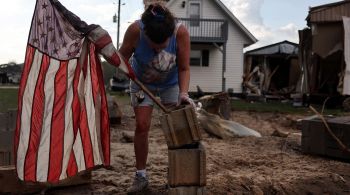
[[222, 128]]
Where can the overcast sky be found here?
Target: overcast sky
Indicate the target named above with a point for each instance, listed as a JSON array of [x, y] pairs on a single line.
[[270, 21]]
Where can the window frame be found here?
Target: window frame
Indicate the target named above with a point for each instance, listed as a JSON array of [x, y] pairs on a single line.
[[190, 3], [203, 58]]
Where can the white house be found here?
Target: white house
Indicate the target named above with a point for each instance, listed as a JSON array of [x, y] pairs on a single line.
[[217, 42]]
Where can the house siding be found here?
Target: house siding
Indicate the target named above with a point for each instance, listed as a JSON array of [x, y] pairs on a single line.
[[177, 10], [210, 78], [330, 14]]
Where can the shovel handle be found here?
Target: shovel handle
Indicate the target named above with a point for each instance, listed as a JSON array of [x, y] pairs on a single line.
[[144, 88]]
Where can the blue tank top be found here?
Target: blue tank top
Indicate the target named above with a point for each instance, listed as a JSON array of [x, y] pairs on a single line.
[[152, 68]]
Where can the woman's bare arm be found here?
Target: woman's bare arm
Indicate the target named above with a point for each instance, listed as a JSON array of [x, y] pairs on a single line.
[[183, 58]]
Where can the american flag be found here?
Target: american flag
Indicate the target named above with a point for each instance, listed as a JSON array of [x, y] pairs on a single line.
[[62, 123]]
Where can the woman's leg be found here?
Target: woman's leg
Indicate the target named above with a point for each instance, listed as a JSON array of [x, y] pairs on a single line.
[[143, 115]]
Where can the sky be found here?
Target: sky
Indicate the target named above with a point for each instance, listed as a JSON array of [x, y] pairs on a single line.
[[270, 21]]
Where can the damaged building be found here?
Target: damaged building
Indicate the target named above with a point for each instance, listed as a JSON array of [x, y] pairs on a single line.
[[324, 51], [272, 69]]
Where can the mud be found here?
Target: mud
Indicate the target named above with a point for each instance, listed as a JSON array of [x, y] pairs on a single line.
[[266, 165]]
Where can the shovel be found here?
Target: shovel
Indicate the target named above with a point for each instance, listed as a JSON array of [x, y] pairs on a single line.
[[144, 88]]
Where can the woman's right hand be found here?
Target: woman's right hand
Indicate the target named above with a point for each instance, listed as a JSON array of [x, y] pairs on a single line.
[[184, 98]]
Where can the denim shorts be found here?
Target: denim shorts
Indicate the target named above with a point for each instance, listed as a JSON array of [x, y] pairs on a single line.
[[167, 95]]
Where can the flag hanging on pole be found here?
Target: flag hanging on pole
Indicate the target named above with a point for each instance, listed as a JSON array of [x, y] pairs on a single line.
[[62, 123]]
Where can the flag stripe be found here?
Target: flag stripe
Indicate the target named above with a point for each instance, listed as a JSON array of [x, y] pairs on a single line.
[[104, 139], [96, 94], [44, 149], [79, 154], [76, 110], [78, 146], [26, 113], [93, 78], [91, 114], [72, 168], [69, 133], [26, 69], [58, 124], [30, 164], [83, 123], [105, 128], [103, 41]]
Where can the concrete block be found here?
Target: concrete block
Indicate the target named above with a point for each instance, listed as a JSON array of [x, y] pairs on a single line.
[[192, 190], [180, 127], [187, 167], [315, 138]]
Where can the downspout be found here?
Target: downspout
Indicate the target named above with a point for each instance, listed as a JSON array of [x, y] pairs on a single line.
[[223, 51], [224, 67], [225, 33]]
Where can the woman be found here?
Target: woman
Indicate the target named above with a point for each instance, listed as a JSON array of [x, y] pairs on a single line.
[[159, 49]]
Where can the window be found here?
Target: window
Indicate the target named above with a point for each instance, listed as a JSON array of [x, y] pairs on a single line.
[[194, 12], [195, 58], [199, 58]]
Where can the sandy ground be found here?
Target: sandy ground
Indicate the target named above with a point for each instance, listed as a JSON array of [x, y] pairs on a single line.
[[266, 165]]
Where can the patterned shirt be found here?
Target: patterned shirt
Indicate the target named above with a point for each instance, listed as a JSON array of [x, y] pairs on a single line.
[[158, 69]]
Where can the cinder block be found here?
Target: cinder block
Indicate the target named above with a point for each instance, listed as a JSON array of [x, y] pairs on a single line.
[[12, 185], [192, 190], [316, 139], [187, 167], [180, 127]]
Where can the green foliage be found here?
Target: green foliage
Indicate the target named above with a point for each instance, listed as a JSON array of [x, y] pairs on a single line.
[[8, 100], [276, 106]]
